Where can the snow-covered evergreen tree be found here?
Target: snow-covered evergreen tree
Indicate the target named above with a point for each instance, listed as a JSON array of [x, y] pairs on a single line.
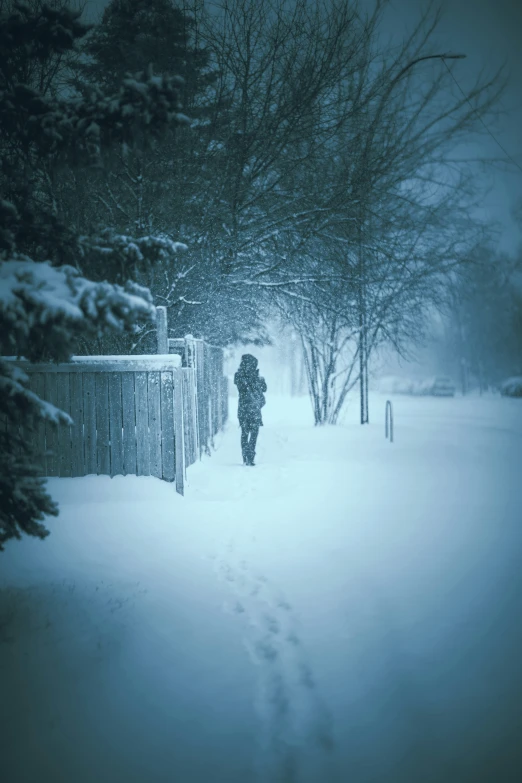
[[45, 302]]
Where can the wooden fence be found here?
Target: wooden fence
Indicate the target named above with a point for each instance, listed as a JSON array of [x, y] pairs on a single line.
[[210, 385], [137, 415], [209, 390]]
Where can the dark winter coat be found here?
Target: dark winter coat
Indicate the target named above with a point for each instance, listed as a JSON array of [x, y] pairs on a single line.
[[251, 388]]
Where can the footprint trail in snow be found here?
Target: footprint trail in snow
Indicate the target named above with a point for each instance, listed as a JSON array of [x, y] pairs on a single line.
[[296, 738]]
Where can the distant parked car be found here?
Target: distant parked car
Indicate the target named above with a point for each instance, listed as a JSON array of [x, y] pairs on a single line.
[[440, 386], [512, 387]]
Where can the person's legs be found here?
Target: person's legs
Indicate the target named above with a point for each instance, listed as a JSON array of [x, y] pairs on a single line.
[[254, 432], [244, 444]]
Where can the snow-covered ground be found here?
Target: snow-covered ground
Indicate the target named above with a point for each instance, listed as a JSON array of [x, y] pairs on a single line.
[[347, 610]]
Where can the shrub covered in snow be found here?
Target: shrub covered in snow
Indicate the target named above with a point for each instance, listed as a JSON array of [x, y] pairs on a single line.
[[439, 386], [512, 387], [45, 302], [394, 385]]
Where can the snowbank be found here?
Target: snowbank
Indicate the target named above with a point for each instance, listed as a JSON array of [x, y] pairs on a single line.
[[281, 622]]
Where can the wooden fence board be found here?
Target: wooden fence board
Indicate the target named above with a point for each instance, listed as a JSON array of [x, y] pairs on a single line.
[[37, 385], [194, 354], [63, 401], [177, 347], [194, 415], [168, 455], [89, 422], [115, 423], [153, 394], [51, 430], [189, 419], [186, 418], [103, 455], [178, 432], [77, 455], [190, 416], [128, 407], [195, 425], [206, 399], [200, 391], [142, 424]]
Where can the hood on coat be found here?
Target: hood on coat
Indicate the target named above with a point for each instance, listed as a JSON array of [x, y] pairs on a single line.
[[248, 363]]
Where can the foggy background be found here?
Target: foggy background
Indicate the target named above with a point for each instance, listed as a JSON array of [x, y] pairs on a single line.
[[488, 33]]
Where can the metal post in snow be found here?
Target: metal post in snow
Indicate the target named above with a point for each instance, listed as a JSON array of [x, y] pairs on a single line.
[[388, 427]]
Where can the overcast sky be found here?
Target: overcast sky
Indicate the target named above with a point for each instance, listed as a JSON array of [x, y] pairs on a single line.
[[489, 32]]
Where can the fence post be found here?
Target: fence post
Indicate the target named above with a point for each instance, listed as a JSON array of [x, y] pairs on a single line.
[[179, 432], [161, 330], [388, 427]]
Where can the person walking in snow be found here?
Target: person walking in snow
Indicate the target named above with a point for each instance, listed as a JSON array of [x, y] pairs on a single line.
[[251, 388]]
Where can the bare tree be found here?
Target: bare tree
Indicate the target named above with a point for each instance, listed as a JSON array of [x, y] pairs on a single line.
[[400, 203], [321, 178]]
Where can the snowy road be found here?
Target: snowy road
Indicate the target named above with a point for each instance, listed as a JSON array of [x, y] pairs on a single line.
[[346, 610]]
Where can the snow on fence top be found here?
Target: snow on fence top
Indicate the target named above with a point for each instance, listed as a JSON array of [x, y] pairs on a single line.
[[139, 363]]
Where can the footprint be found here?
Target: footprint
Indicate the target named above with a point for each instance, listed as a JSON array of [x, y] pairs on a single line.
[[266, 650], [306, 678], [272, 624], [226, 572], [278, 695], [291, 709], [325, 740]]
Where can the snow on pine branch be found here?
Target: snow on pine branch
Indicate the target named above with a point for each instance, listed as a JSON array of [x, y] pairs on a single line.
[[134, 251], [84, 127], [42, 308], [15, 394]]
